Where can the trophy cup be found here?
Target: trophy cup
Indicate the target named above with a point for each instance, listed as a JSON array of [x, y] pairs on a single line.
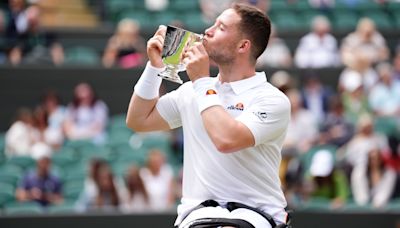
[[175, 43]]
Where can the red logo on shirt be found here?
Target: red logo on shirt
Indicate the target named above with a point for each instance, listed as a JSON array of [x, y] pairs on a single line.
[[211, 92], [238, 106]]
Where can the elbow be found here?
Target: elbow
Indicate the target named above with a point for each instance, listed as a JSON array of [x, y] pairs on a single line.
[[134, 125], [224, 146]]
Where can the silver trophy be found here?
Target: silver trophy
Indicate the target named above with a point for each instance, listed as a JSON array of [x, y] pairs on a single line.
[[176, 41]]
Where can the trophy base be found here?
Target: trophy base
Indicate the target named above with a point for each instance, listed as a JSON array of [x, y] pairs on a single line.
[[171, 76]]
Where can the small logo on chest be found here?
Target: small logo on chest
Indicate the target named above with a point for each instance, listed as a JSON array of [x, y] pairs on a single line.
[[238, 106]]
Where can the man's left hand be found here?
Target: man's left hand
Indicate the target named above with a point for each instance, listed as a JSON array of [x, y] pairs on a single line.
[[197, 62]]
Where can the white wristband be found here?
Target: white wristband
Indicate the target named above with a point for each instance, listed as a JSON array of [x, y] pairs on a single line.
[[149, 83], [206, 93]]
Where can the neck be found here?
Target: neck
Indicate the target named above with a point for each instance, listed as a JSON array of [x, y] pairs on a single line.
[[235, 71]]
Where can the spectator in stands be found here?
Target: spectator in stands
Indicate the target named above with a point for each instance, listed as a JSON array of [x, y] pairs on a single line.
[[126, 47], [89, 190], [277, 53], [283, 81], [396, 66], [365, 41], [35, 46], [41, 185], [86, 117], [315, 96], [303, 127], [318, 48], [373, 183], [138, 198], [384, 97], [108, 197], [353, 96], [322, 4], [158, 180], [210, 9], [156, 5], [17, 23], [301, 135], [55, 113], [336, 129], [328, 182], [22, 134], [365, 140], [3, 56], [48, 137], [363, 67], [263, 5], [101, 190]]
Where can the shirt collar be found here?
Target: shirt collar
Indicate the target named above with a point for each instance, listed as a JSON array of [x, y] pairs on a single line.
[[248, 83]]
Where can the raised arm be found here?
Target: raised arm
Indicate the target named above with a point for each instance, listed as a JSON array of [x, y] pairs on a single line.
[[142, 114]]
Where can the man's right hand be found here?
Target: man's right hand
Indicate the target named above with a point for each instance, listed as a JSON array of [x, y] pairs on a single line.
[[155, 47]]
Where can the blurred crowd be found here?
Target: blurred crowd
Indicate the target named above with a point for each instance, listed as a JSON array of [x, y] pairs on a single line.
[[342, 146]]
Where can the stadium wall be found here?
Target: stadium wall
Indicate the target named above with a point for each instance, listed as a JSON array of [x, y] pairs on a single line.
[[300, 220]]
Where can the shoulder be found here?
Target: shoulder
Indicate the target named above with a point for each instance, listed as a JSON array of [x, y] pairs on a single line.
[[268, 94]]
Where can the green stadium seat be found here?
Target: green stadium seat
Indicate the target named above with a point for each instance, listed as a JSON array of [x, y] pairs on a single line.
[[381, 19], [118, 136], [393, 205], [396, 17], [165, 18], [184, 5], [354, 207], [308, 17], [345, 20], [386, 126], [315, 204], [2, 142], [23, 208], [72, 189], [278, 5], [368, 5], [10, 177], [24, 162], [82, 56], [115, 7], [144, 18], [63, 158], [66, 208], [118, 121], [286, 21], [194, 22], [7, 194]]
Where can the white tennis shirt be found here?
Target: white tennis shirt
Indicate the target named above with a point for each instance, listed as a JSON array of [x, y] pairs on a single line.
[[248, 176]]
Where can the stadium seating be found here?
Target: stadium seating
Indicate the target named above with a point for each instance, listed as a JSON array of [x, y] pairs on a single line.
[[24, 208], [67, 207], [81, 55]]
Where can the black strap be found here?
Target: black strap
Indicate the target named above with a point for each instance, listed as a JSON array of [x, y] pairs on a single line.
[[232, 206], [213, 222], [235, 205]]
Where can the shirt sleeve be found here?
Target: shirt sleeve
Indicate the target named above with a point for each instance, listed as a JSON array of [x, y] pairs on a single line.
[[267, 118], [168, 108]]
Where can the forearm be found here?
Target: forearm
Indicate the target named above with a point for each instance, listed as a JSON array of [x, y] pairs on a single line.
[[142, 114], [227, 134]]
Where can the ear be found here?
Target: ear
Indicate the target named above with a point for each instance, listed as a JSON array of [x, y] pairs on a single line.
[[244, 46]]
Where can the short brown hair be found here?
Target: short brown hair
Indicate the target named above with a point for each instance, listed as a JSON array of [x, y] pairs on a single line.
[[255, 25]]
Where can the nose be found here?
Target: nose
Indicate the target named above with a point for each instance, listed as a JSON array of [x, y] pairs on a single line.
[[209, 31]]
